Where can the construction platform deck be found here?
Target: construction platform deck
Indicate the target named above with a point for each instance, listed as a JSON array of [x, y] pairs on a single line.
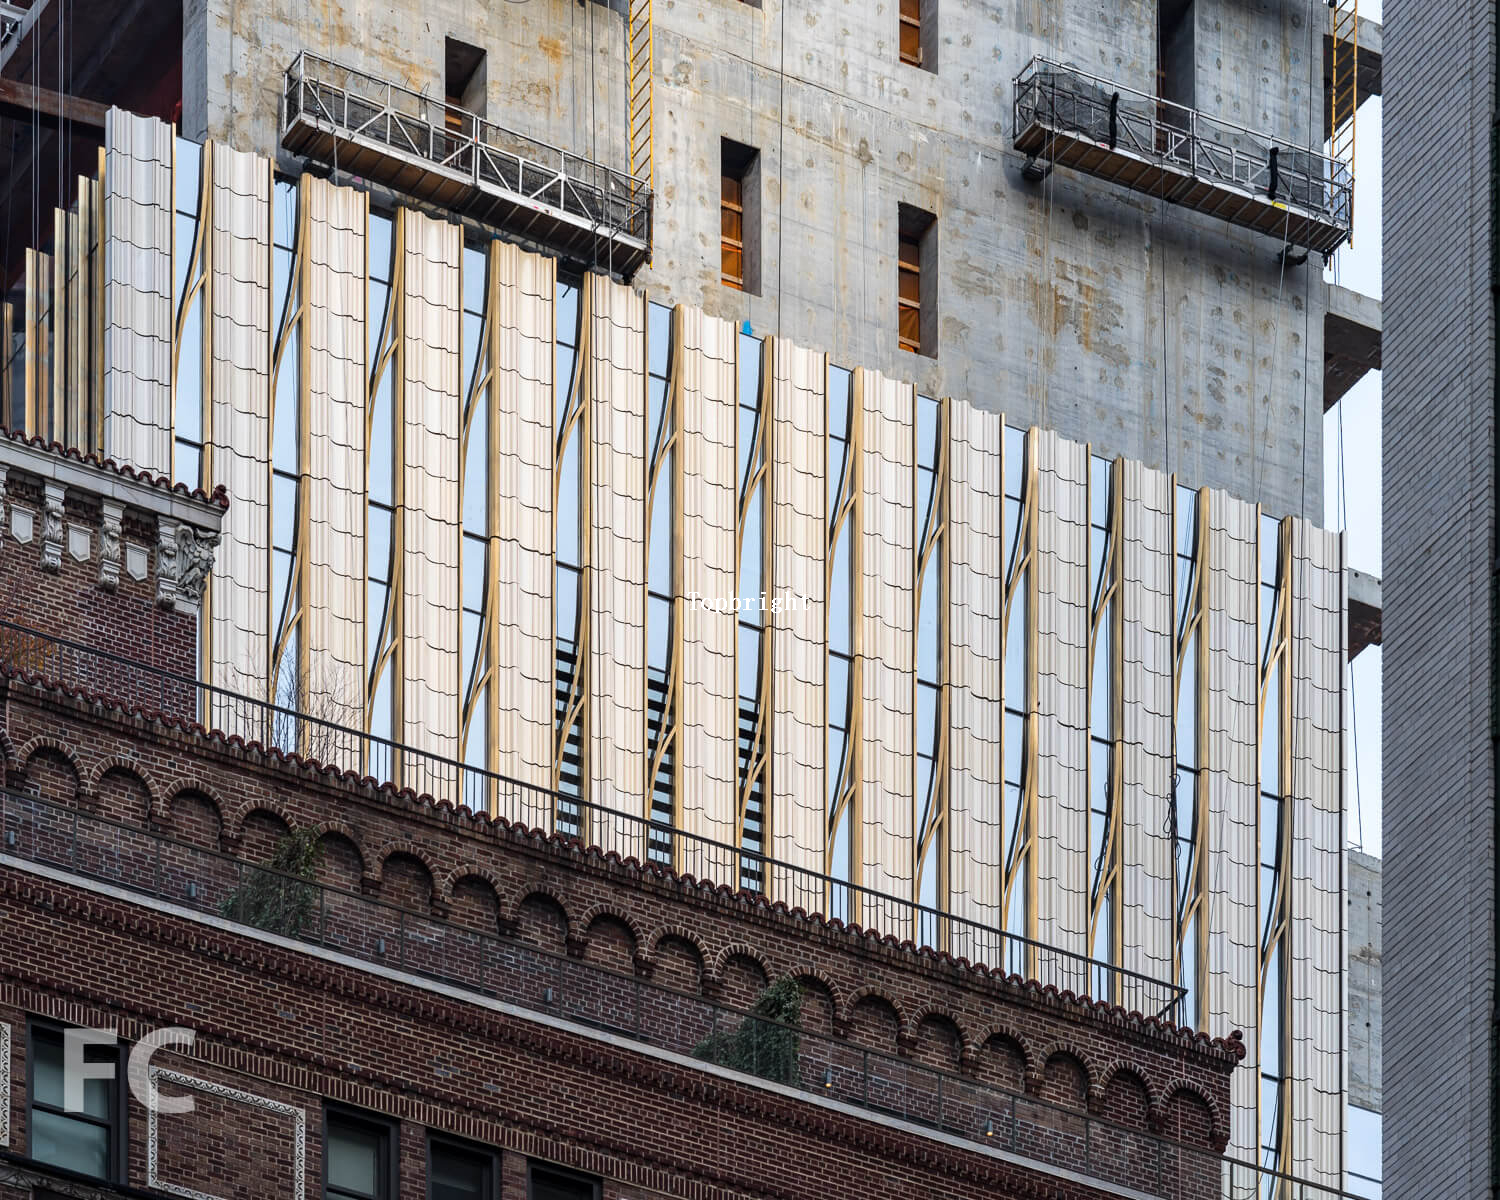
[[447, 156], [1066, 118]]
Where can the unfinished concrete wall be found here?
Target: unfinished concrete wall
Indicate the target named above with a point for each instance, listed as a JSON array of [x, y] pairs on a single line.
[[1364, 981], [1075, 304]]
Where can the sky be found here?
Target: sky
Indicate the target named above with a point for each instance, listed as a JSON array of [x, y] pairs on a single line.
[[1351, 476]]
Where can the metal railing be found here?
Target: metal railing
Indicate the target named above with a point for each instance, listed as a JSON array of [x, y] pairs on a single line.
[[39, 831], [352, 105], [1064, 99], [628, 835]]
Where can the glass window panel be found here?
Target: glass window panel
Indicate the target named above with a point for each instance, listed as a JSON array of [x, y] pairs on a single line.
[[284, 217], [1270, 734], [1270, 1117], [1015, 651], [567, 505], [474, 278], [380, 248], [922, 506], [1190, 968], [1012, 531], [659, 554], [379, 297], [838, 694], [185, 230], [65, 1142], [474, 552], [749, 663], [1270, 830], [839, 866], [660, 331], [459, 1174], [281, 283], [1187, 706], [1100, 715], [189, 465], [190, 375], [378, 551], [284, 433], [1184, 591], [749, 349], [1270, 547], [1015, 747], [840, 388], [1099, 772], [567, 314], [928, 411], [839, 598], [1187, 521], [928, 624], [567, 606], [375, 597], [48, 1082], [1098, 561], [1187, 814], [473, 350], [186, 177], [284, 511], [746, 444], [751, 549], [656, 409], [354, 1159], [927, 724], [1015, 461], [469, 625], [658, 633], [837, 460], [476, 472], [477, 743], [836, 744], [563, 382], [1099, 490], [380, 707]]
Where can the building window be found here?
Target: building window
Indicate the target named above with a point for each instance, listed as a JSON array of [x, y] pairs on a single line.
[[89, 1139], [463, 84], [550, 1183], [1176, 57], [1364, 1142], [359, 1156], [916, 281], [458, 1171], [739, 216], [918, 33]]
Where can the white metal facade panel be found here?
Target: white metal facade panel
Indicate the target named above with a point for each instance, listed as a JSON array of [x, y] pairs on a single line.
[[885, 602], [334, 374], [1147, 881], [707, 764], [239, 289], [1060, 583], [429, 481], [974, 624], [615, 374], [1317, 948], [798, 507], [1230, 769], [138, 291], [522, 540]]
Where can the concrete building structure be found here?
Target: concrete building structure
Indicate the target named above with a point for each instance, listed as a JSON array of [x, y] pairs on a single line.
[[1050, 672]]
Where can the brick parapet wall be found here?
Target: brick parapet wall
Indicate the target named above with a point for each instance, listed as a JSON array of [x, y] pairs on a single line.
[[289, 1029], [436, 861]]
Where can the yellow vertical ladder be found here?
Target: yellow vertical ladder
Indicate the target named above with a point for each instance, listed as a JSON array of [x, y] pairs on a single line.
[[638, 86], [1343, 98]]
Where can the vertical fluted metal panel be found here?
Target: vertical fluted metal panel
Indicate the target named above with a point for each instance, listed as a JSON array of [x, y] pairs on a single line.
[[334, 373], [974, 625], [138, 291], [522, 521], [885, 586], [798, 507], [429, 498], [615, 374], [1147, 762], [707, 767], [1061, 614], [1230, 767], [1318, 962], [239, 290]]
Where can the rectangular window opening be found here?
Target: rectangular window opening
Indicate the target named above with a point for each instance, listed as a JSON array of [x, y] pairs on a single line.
[[359, 1156], [460, 1170], [1176, 65], [463, 84], [918, 33], [739, 216], [916, 281], [553, 1183], [90, 1138]]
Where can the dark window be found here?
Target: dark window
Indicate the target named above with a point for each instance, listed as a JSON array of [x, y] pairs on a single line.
[[463, 83], [1176, 57], [88, 1139], [459, 1171], [359, 1156], [550, 1183], [739, 215], [916, 281]]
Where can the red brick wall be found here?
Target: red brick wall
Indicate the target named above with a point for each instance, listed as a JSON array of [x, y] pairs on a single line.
[[865, 994], [282, 1025], [71, 604]]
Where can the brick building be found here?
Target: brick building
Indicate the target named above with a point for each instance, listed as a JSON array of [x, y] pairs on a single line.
[[451, 1004]]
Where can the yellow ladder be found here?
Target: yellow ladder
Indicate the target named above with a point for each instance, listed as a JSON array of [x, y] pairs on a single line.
[[1343, 100], [638, 87]]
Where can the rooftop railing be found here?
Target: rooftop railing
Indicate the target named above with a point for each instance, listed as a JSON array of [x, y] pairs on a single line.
[[149, 864], [450, 156], [629, 835], [1067, 116]]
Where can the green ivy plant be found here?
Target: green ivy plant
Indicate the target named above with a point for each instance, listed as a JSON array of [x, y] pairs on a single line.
[[281, 894], [766, 1042]]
